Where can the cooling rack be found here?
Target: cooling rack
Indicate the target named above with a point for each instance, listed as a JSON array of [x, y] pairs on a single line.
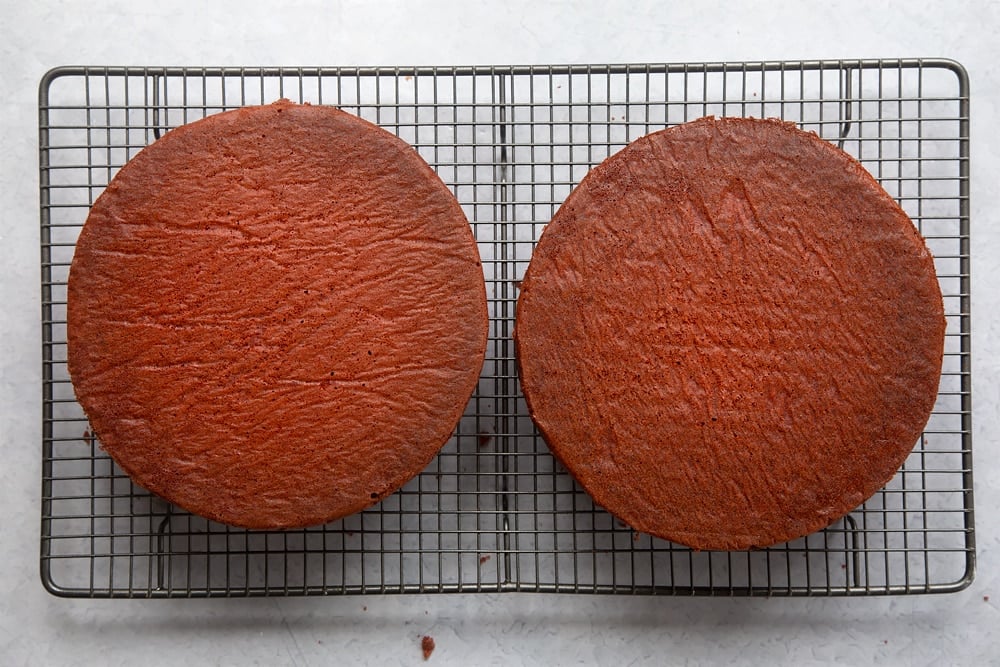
[[494, 512]]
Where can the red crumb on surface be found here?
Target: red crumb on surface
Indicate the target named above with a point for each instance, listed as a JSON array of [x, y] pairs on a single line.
[[86, 434], [635, 536], [986, 598], [364, 609], [484, 439], [484, 559], [427, 646]]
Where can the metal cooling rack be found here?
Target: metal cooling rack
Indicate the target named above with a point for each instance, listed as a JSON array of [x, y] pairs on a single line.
[[494, 512]]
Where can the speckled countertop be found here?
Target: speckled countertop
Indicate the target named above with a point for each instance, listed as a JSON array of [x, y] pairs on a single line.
[[35, 628]]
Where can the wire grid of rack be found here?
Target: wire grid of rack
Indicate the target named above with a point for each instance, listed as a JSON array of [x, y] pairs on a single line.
[[494, 512]]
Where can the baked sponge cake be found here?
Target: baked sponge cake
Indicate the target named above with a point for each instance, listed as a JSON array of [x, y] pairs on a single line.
[[730, 334], [276, 315]]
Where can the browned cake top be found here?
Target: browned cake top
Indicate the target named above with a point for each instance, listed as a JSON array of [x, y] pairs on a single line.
[[276, 315], [730, 334]]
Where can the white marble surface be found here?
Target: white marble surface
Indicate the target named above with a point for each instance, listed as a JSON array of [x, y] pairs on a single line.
[[35, 628]]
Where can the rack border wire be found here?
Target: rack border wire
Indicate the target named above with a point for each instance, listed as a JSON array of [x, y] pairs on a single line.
[[494, 512]]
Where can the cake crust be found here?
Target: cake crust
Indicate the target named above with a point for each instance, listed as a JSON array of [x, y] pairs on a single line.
[[730, 334], [276, 315]]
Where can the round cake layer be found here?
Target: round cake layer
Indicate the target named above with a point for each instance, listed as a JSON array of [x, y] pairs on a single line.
[[276, 315], [730, 334]]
